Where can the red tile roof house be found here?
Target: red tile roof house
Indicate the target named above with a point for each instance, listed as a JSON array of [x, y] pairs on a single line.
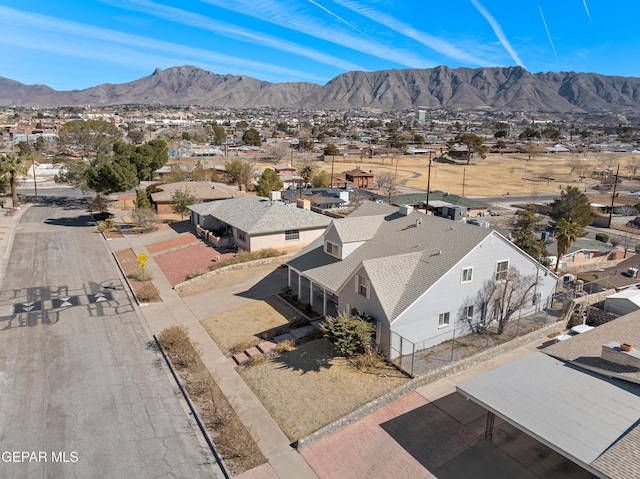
[[204, 191], [417, 276], [253, 223]]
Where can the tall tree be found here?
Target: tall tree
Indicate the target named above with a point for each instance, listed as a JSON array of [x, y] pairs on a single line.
[[573, 206], [10, 167], [474, 143], [269, 181], [567, 233], [181, 200], [90, 138], [251, 137], [525, 236]]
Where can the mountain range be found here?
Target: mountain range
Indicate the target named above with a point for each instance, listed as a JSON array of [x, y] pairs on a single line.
[[509, 88]]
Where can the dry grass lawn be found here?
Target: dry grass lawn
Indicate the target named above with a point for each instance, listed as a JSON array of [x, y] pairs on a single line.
[[248, 325], [495, 175], [310, 387]]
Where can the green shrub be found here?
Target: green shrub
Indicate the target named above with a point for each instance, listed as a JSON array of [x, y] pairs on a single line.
[[350, 336], [602, 237]]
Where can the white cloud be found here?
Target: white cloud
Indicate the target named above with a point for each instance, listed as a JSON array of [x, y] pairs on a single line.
[[292, 15], [131, 48], [202, 22]]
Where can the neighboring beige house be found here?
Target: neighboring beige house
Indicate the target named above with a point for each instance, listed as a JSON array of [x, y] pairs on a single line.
[[253, 223], [204, 191]]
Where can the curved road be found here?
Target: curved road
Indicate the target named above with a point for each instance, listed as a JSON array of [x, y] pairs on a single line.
[[82, 393]]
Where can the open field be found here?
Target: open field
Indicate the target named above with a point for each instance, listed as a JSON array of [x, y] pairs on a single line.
[[495, 175]]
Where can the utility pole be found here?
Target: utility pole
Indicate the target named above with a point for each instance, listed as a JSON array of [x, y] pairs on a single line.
[[426, 208], [464, 173], [613, 196]]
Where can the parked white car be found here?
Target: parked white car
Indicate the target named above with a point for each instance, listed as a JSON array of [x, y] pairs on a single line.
[[581, 328]]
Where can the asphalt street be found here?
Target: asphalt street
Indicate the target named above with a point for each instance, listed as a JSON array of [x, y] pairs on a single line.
[[82, 391]]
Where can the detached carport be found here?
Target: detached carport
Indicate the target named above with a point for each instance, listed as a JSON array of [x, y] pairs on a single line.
[[588, 418]]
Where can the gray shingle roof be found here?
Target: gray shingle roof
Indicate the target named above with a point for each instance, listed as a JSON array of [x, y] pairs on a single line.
[[255, 215], [415, 255], [358, 229]]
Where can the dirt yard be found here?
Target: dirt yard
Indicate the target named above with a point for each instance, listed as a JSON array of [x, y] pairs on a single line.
[[310, 387], [250, 324]]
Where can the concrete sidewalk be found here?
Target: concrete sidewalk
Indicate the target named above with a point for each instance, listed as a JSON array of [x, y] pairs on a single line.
[[173, 310]]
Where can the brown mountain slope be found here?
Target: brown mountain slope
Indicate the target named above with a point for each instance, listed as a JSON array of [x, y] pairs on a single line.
[[511, 88]]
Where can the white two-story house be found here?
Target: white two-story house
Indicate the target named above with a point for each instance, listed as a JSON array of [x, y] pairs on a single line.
[[417, 276]]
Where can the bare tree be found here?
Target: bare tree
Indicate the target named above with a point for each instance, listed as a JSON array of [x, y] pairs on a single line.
[[626, 239], [633, 165], [247, 174], [386, 182], [278, 152], [500, 297]]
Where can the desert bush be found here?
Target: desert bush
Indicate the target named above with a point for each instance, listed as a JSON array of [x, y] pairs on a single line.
[[175, 341], [285, 346], [368, 360], [241, 347], [602, 237], [140, 275], [148, 293], [145, 219], [105, 225], [255, 360], [350, 336]]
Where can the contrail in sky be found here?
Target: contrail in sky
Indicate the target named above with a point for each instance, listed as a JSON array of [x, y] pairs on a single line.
[[548, 34], [587, 9], [497, 29], [339, 18]]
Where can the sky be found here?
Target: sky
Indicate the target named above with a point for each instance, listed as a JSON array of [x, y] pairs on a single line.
[[76, 44]]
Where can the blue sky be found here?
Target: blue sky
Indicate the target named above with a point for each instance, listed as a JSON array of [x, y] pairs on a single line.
[[74, 44]]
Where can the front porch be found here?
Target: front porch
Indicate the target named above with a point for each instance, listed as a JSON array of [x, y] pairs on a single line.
[[320, 299]]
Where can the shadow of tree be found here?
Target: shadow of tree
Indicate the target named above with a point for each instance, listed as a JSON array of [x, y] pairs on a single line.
[[313, 356], [183, 226]]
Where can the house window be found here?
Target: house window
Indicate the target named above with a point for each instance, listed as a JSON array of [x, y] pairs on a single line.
[[501, 270], [443, 320], [242, 237], [467, 274], [467, 312], [332, 249], [362, 286], [291, 235]]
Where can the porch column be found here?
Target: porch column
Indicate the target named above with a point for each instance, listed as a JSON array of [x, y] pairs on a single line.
[[300, 286], [289, 277], [311, 293], [324, 302]]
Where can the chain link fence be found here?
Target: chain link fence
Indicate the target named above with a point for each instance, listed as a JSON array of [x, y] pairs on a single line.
[[467, 339]]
